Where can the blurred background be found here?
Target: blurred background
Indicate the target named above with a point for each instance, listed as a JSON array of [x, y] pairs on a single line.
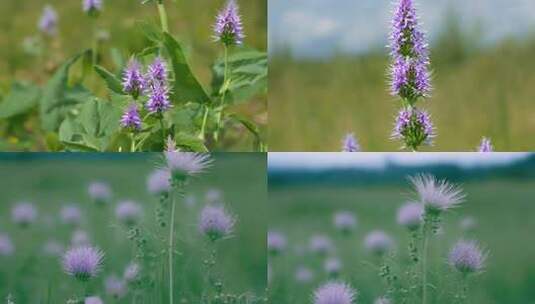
[[190, 21], [306, 189], [328, 73], [52, 180]]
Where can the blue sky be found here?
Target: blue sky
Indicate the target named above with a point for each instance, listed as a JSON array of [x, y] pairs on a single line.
[[319, 27]]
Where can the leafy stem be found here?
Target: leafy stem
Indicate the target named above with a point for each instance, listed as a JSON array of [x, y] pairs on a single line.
[[163, 16], [203, 126], [224, 88]]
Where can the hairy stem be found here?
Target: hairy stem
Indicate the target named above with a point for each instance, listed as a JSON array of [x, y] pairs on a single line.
[[163, 16], [170, 249], [226, 80]]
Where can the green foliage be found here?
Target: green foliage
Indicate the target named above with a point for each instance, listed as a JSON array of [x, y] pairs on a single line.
[[112, 81], [22, 98]]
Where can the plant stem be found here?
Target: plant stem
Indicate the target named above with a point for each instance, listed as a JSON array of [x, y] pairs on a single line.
[[133, 142], [171, 239], [204, 119], [163, 131], [424, 259], [163, 16], [224, 93], [94, 47]]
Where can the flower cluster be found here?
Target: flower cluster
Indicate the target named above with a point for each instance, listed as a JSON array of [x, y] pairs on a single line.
[[48, 23], [486, 145], [92, 7], [414, 128], [350, 143], [228, 27], [83, 263]]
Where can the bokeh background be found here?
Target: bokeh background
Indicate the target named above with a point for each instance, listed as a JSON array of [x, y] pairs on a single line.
[[306, 189], [189, 21], [52, 180], [328, 73]]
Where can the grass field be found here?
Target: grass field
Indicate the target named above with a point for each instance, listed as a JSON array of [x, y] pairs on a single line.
[[505, 220], [489, 92], [50, 181]]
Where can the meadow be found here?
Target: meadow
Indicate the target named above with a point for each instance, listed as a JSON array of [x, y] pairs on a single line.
[[33, 273], [504, 219], [477, 91], [124, 29]]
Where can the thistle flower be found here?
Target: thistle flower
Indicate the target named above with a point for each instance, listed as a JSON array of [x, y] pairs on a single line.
[[99, 192], [378, 242], [436, 195], [303, 274], [320, 244], [133, 81], [159, 182], [332, 266], [350, 143], [345, 221], [92, 7], [409, 51], [184, 164], [131, 119], [115, 287], [48, 23], [131, 273], [6, 245], [467, 257], [228, 27], [382, 300], [414, 128], [215, 222], [23, 214], [80, 238], [83, 263], [128, 212], [71, 215], [410, 215], [335, 293], [486, 145], [276, 242], [93, 300], [53, 248]]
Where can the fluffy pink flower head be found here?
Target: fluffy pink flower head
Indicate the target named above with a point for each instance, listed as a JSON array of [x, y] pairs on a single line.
[[83, 263], [436, 195], [335, 293]]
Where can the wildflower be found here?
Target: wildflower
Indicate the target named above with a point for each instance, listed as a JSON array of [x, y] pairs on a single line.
[[345, 221], [410, 215], [128, 212], [80, 238], [184, 164], [436, 195], [320, 244], [48, 22], [131, 119], [133, 81], [100, 192], [92, 7], [228, 27], [53, 248], [115, 287], [335, 293], [131, 273], [350, 143], [410, 77], [303, 274], [71, 215], [158, 101], [332, 266], [378, 242], [467, 257], [468, 223], [24, 214], [93, 300], [276, 242], [414, 128], [159, 182], [213, 196], [215, 222], [486, 145], [6, 245], [83, 263], [157, 72]]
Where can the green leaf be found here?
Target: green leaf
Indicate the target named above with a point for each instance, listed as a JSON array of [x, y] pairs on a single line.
[[55, 104], [117, 58], [248, 71], [186, 87], [253, 128], [22, 98], [111, 80], [150, 30], [190, 142]]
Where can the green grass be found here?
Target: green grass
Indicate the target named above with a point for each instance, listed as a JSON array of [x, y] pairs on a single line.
[[503, 209], [32, 278], [490, 92]]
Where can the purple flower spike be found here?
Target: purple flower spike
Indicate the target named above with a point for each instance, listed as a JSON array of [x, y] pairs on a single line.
[[157, 71], [92, 7], [228, 27], [410, 78], [335, 293], [350, 143], [414, 128], [83, 263], [48, 23], [131, 119], [486, 145], [215, 222], [158, 101], [133, 81], [467, 257]]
